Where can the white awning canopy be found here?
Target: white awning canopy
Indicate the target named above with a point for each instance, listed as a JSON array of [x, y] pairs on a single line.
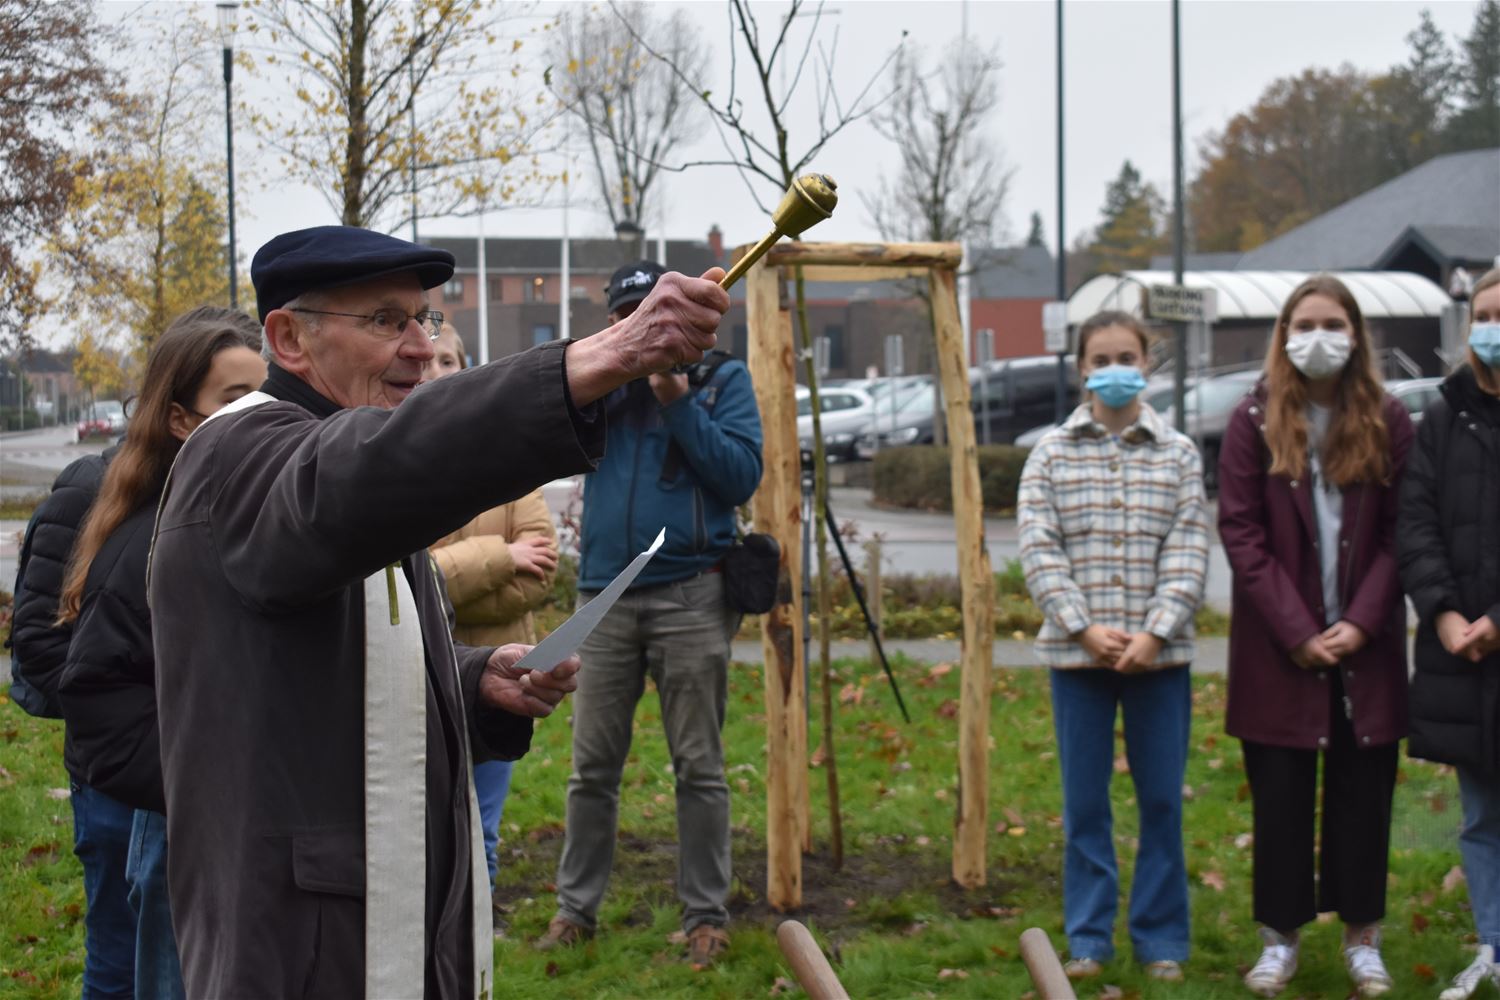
[[1256, 296]]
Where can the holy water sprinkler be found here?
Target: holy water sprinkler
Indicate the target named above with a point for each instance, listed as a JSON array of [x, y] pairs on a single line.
[[809, 201]]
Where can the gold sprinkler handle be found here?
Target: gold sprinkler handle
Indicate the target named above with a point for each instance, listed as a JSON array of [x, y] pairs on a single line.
[[809, 201]]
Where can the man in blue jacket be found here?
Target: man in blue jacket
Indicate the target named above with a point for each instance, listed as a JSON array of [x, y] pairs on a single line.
[[683, 451]]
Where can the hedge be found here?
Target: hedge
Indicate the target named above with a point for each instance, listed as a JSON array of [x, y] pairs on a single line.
[[920, 476]]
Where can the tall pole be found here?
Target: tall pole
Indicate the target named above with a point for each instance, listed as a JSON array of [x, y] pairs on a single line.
[[484, 296], [565, 300], [412, 108], [1179, 330], [1060, 405], [226, 25]]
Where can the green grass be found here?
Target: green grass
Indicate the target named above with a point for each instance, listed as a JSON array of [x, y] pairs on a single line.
[[20, 508], [892, 919]]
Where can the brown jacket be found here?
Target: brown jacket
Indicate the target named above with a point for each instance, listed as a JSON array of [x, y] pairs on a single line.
[[491, 601]]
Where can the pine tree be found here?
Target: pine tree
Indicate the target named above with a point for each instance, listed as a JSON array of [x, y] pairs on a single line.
[[1132, 227], [1477, 124], [1036, 237]]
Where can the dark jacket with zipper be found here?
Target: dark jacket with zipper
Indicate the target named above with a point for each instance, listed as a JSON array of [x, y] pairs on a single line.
[[1450, 561], [274, 517], [1270, 533], [108, 688], [40, 646], [685, 466]]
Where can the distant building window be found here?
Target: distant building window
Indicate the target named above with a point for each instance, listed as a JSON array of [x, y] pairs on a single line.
[[453, 291], [835, 335], [495, 290], [536, 289], [543, 333]]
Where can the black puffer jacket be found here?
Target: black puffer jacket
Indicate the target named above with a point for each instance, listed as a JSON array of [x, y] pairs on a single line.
[[108, 688], [40, 648], [1449, 545]]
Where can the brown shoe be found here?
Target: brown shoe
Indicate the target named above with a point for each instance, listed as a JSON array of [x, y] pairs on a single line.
[[562, 933], [706, 943]]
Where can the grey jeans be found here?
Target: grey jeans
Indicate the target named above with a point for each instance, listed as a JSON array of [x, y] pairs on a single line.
[[678, 634]]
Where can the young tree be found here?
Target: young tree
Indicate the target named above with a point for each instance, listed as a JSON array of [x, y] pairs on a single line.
[[53, 82], [1477, 124], [951, 182], [142, 239], [1133, 227], [387, 96], [634, 108]]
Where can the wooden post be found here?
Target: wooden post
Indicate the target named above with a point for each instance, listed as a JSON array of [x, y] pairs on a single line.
[[778, 512], [978, 586], [808, 962], [1042, 963], [872, 592]]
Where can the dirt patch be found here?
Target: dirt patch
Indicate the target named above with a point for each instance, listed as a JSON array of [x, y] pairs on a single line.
[[889, 885]]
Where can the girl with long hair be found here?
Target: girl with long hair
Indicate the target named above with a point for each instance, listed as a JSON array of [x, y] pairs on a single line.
[[1450, 563], [1114, 542], [498, 567], [1308, 479], [204, 360]]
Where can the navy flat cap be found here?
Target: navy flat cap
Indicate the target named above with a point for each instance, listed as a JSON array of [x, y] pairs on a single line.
[[330, 256]]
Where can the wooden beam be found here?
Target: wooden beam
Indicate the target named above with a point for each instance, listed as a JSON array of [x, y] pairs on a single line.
[[977, 584], [778, 512], [846, 273], [945, 256], [809, 964]]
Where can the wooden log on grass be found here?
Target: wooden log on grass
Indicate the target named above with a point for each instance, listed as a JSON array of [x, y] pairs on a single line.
[[778, 512], [808, 962], [1044, 966], [978, 588]]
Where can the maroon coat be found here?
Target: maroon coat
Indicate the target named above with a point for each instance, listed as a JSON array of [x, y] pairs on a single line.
[[1270, 534]]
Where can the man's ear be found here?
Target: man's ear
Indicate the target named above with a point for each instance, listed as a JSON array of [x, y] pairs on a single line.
[[180, 422], [288, 340]]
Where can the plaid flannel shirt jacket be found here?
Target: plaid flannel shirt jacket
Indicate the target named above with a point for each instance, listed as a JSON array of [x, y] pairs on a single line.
[[1114, 532]]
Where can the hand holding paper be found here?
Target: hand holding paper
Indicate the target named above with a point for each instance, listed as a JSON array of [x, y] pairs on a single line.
[[564, 642]]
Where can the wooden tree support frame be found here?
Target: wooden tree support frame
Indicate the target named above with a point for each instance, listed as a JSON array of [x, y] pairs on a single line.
[[773, 357]]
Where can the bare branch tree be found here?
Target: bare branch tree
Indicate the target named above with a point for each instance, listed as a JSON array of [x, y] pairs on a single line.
[[634, 108]]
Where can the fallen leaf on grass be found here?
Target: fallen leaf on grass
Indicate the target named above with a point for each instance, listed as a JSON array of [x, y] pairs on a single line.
[[851, 694], [952, 974], [1454, 878], [1214, 880], [818, 757], [782, 985], [60, 794], [939, 669], [1438, 804], [1111, 992], [1017, 831], [850, 904], [999, 951], [552, 970], [1244, 840], [1419, 923], [1216, 763], [923, 840], [915, 928], [949, 708], [1424, 972], [1013, 817]]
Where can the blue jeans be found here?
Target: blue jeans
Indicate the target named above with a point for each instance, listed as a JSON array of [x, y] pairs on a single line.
[[101, 839], [1158, 713], [491, 786], [1480, 844], [158, 974]]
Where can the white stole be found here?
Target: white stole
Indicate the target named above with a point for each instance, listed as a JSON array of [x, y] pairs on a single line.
[[395, 735]]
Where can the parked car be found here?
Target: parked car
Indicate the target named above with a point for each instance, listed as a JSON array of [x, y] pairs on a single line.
[[1415, 394], [845, 413], [1021, 393], [1209, 403], [104, 418]]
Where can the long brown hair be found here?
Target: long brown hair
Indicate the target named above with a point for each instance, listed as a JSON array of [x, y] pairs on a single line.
[[179, 362], [1357, 446], [1483, 373]]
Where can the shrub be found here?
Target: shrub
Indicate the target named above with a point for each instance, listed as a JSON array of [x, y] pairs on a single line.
[[920, 476]]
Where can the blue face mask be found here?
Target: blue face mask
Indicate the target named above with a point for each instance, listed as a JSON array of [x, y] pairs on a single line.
[[1116, 385], [1484, 338]]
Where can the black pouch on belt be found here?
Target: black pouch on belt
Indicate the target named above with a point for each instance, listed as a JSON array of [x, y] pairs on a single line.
[[752, 567]]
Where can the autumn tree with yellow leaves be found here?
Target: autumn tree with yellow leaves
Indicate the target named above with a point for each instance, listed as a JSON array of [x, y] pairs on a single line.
[[388, 97]]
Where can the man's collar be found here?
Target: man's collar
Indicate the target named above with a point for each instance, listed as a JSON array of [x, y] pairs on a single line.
[[289, 388], [1147, 425]]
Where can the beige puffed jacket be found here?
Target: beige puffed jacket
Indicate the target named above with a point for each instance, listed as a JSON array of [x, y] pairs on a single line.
[[491, 600]]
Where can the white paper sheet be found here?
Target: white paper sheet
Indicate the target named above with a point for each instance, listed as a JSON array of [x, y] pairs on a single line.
[[564, 642]]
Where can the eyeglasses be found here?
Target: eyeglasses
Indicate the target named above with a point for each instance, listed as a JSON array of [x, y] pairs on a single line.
[[388, 324]]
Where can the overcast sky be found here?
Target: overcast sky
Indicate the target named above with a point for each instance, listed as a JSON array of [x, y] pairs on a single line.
[[1118, 103]]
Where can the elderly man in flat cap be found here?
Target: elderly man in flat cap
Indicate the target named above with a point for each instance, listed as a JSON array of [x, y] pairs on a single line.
[[317, 721]]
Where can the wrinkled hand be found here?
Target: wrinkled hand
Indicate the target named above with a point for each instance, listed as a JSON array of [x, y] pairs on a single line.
[[525, 692], [1140, 653], [669, 387], [534, 555], [1103, 644], [1451, 627], [1314, 654], [1479, 639], [674, 325], [1343, 639]]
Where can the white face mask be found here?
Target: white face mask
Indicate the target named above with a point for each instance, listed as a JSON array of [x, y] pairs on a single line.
[[1319, 353]]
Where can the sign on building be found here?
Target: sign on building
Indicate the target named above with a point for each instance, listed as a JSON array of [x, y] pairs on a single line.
[[1055, 327], [1181, 304]]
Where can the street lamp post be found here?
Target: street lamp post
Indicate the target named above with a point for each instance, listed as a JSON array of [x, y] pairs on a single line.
[[227, 11]]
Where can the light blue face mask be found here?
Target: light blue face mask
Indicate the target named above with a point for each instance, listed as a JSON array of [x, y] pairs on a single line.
[[1116, 385], [1484, 338]]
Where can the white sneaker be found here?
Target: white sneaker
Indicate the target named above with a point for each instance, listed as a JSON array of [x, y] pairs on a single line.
[[1277, 964], [1467, 982], [1366, 967]]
